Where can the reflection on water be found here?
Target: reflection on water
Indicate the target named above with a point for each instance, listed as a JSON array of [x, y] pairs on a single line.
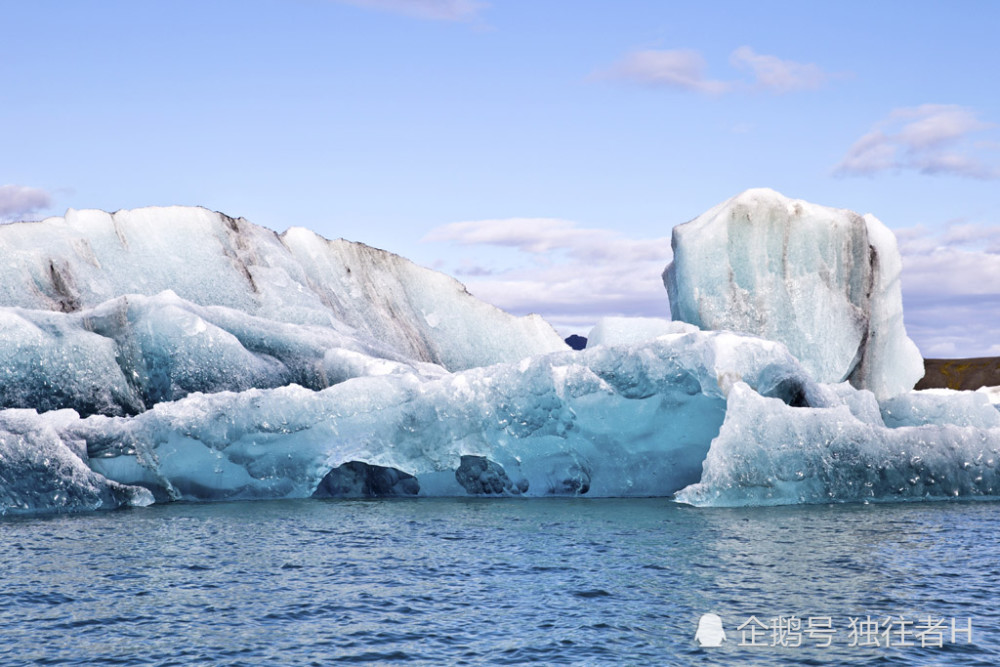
[[491, 581]]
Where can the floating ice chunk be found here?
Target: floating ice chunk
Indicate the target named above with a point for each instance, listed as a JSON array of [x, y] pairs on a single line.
[[992, 394], [768, 453], [823, 281], [630, 330], [40, 470], [941, 406]]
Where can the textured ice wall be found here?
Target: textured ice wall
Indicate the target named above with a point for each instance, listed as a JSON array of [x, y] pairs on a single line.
[[630, 330], [768, 453], [612, 421], [823, 281], [41, 469], [130, 353], [724, 418], [208, 259], [959, 408]]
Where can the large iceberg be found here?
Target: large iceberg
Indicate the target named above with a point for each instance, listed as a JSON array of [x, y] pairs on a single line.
[[717, 418], [178, 354], [823, 281], [90, 257], [611, 421], [112, 313]]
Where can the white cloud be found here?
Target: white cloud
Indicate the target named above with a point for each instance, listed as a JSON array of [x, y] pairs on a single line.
[[570, 275], [951, 288], [19, 201], [775, 74], [573, 275], [677, 68], [437, 10], [685, 69], [930, 139]]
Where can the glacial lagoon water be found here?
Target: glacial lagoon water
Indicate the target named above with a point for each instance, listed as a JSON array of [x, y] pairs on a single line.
[[505, 581]]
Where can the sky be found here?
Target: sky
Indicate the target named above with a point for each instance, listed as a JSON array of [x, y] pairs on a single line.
[[540, 152]]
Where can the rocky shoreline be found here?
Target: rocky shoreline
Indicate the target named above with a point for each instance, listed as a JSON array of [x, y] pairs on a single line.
[[963, 374]]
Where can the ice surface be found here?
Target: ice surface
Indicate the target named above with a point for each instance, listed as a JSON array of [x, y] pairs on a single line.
[[823, 281], [89, 258], [730, 419], [113, 313], [42, 470], [630, 330], [992, 394], [942, 407], [768, 453], [608, 421], [130, 353]]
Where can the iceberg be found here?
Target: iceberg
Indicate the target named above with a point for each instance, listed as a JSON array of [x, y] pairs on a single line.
[[112, 313], [823, 281], [89, 258], [632, 420], [175, 354], [768, 453], [716, 418], [42, 470], [130, 353]]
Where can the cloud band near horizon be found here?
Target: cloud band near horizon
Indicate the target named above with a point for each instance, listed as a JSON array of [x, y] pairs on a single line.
[[573, 276]]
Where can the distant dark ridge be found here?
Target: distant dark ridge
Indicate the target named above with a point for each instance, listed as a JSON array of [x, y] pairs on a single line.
[[968, 374], [576, 342]]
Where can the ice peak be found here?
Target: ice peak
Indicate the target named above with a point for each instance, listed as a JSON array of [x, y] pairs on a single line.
[[823, 281]]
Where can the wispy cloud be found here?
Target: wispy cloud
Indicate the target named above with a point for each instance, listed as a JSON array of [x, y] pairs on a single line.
[[435, 10], [574, 275], [678, 68], [951, 288], [930, 139], [569, 274], [777, 75], [20, 201], [685, 69]]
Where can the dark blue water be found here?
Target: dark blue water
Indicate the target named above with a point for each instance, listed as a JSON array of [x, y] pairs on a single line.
[[491, 582]]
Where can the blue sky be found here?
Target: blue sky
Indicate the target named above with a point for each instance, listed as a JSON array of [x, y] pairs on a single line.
[[570, 137]]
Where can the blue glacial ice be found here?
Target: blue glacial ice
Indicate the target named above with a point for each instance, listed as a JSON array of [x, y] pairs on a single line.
[[129, 353], [768, 453], [179, 354], [90, 258], [43, 469], [823, 281], [613, 421]]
